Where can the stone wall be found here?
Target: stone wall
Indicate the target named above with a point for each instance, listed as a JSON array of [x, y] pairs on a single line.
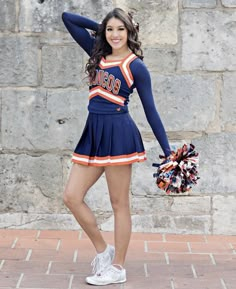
[[190, 50]]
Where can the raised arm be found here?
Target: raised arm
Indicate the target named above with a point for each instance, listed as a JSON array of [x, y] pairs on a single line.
[[142, 82], [77, 25]]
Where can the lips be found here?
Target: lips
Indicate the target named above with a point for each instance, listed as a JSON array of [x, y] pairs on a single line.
[[115, 40]]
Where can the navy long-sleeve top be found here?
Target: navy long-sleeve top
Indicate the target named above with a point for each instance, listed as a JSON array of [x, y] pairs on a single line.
[[116, 80]]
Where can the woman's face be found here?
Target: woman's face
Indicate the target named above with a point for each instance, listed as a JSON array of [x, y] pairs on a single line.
[[117, 35]]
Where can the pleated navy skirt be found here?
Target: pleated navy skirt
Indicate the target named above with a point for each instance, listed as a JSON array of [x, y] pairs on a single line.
[[109, 139]]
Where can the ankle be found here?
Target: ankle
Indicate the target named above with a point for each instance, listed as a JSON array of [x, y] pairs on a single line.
[[101, 249], [118, 261], [118, 266]]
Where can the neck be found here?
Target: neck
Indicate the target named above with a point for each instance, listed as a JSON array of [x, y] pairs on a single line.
[[120, 54]]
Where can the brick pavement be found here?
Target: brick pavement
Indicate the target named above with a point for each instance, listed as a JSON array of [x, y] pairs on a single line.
[[61, 260]]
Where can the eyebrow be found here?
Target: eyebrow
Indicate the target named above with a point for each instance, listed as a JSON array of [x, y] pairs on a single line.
[[117, 26]]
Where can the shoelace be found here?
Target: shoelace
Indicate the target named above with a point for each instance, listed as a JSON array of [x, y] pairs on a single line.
[[96, 264]]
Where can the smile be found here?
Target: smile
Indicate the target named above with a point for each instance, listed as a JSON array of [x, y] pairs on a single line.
[[115, 40]]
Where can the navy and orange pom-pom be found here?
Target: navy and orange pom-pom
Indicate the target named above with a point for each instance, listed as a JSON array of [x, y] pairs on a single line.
[[178, 172]]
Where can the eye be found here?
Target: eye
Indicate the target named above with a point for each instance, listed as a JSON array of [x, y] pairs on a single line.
[[122, 29], [109, 29]]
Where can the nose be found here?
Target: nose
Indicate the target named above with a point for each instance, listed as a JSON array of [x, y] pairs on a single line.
[[115, 33]]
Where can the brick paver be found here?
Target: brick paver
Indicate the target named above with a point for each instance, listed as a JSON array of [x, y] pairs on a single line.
[[31, 259]]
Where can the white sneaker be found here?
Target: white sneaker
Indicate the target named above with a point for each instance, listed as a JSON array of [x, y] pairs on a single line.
[[103, 260], [111, 275]]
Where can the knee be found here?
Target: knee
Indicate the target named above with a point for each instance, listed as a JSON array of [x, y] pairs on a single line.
[[71, 199], [119, 205], [67, 198]]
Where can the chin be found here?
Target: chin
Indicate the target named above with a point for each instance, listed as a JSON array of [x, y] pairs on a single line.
[[116, 46]]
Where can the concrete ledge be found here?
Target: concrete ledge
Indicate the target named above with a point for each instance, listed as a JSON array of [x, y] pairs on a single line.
[[215, 215]]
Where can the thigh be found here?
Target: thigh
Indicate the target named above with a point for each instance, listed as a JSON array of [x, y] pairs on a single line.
[[81, 179], [118, 181]]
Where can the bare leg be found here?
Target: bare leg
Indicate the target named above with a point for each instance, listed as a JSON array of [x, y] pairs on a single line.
[[80, 180], [118, 180]]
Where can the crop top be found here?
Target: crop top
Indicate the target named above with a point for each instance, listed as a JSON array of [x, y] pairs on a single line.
[[116, 80]]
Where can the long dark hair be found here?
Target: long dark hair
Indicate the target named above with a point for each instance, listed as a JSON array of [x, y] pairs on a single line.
[[102, 47]]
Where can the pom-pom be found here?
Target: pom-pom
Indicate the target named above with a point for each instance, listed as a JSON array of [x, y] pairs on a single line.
[[177, 173]]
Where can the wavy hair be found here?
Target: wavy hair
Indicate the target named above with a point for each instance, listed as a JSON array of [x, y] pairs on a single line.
[[102, 48]]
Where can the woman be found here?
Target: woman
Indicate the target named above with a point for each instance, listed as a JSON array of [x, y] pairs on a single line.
[[110, 142]]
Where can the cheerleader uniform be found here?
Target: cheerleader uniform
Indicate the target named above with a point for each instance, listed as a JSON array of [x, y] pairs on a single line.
[[110, 136]]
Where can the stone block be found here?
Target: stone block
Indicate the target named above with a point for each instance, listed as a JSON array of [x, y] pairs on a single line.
[[199, 3], [192, 224], [224, 214], [62, 66], [7, 15], [158, 20], [143, 223], [38, 221], [181, 214], [31, 184], [46, 17], [228, 3], [167, 223], [23, 118], [148, 205], [204, 35], [68, 111], [228, 103], [9, 220], [217, 166], [43, 120], [185, 102], [208, 40], [191, 205], [160, 59], [19, 60]]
